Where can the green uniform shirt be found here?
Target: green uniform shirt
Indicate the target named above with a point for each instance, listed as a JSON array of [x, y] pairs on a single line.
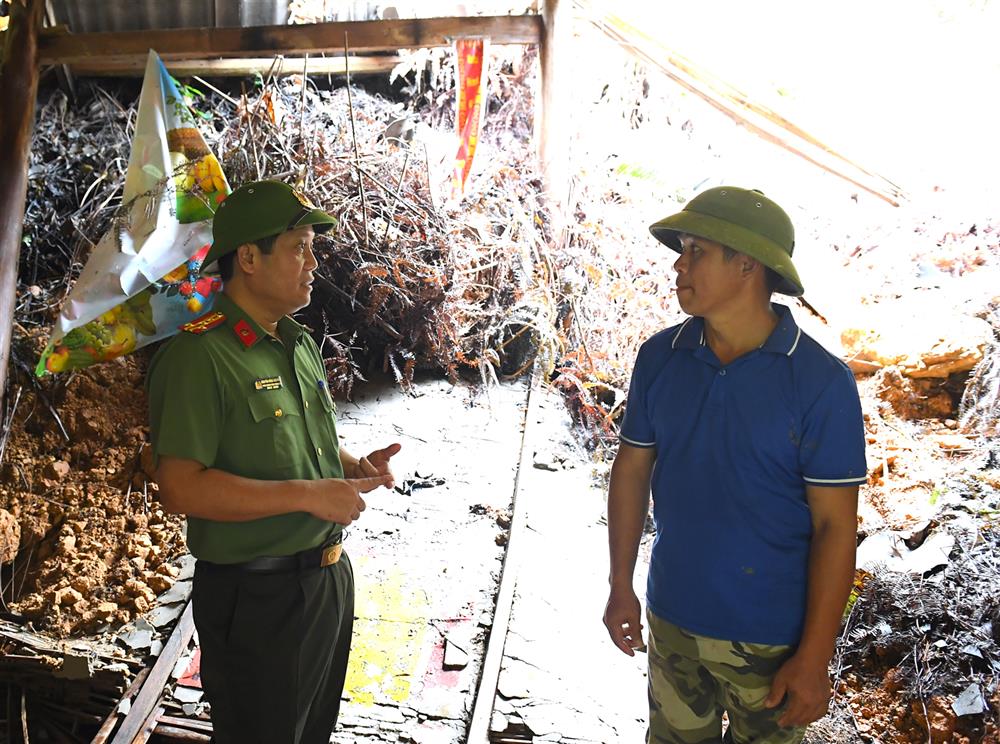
[[235, 398]]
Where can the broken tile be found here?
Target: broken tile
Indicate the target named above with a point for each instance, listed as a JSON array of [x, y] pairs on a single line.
[[165, 614], [179, 592], [187, 694], [138, 639], [455, 657]]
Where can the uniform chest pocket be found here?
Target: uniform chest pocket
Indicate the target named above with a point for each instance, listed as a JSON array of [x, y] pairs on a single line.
[[277, 431]]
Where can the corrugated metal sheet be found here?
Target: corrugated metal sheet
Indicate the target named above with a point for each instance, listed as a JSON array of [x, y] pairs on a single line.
[[134, 15]]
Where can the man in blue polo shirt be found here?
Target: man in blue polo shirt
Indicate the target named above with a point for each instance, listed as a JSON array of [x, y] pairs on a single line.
[[751, 438]]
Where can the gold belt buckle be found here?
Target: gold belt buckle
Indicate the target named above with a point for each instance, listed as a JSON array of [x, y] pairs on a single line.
[[331, 555]]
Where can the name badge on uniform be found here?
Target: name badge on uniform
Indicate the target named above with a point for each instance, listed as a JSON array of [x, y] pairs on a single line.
[[267, 383]]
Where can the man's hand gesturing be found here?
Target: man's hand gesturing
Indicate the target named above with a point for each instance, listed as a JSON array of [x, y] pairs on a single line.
[[377, 463]]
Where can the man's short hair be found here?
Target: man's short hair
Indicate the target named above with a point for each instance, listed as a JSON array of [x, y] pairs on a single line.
[[227, 263]]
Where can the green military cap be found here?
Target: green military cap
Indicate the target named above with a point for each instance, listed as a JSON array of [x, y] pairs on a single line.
[[744, 220], [262, 209]]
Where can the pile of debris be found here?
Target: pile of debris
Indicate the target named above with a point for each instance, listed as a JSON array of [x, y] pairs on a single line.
[[414, 277], [404, 284]]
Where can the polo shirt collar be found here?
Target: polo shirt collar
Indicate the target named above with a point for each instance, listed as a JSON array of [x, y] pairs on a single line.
[[784, 339], [691, 334], [248, 331]]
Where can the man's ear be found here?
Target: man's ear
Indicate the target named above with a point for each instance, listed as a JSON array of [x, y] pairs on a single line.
[[247, 256], [749, 265]]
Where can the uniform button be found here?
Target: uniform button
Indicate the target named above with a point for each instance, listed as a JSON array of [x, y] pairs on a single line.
[[722, 372], [307, 404], [278, 412], [319, 451]]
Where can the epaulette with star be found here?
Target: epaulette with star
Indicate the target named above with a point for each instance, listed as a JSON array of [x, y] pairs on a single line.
[[206, 322]]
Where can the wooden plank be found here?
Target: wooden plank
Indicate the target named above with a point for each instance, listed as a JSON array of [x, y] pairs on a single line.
[[239, 67], [112, 720], [148, 726], [147, 700], [18, 90], [482, 711], [194, 724], [263, 41]]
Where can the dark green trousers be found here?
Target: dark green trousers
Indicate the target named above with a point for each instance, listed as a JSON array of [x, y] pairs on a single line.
[[274, 651]]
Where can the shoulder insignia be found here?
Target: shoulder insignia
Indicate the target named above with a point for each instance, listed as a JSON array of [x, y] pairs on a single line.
[[206, 322]]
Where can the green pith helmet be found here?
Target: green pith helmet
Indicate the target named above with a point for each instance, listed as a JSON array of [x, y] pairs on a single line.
[[260, 210], [746, 221]]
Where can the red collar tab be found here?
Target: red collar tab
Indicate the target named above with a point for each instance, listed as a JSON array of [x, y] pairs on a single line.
[[245, 334], [206, 322]]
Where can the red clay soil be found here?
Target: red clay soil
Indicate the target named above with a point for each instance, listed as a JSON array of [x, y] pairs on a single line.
[[95, 548]]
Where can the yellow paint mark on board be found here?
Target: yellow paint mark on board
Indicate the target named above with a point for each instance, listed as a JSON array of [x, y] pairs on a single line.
[[389, 636]]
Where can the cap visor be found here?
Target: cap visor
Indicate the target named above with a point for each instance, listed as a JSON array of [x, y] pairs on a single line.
[[319, 220]]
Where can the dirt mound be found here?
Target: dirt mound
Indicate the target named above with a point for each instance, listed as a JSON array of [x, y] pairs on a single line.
[[93, 547]]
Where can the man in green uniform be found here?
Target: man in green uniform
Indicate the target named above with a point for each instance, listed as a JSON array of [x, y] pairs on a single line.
[[243, 429]]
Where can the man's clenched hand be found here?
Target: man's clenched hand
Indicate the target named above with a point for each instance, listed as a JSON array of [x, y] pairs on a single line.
[[622, 619], [339, 499]]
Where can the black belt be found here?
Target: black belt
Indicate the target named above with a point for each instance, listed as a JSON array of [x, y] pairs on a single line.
[[325, 555]]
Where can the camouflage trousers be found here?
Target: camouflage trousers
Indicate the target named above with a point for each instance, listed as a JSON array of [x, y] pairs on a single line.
[[694, 679]]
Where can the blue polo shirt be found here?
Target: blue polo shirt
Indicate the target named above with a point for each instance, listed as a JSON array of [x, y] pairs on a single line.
[[736, 445]]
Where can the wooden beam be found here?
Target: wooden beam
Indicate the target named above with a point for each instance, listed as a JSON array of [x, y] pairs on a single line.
[[242, 67], [552, 126], [18, 89], [267, 41]]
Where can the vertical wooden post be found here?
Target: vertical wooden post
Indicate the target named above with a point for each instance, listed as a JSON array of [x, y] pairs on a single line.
[[18, 88], [552, 120]]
